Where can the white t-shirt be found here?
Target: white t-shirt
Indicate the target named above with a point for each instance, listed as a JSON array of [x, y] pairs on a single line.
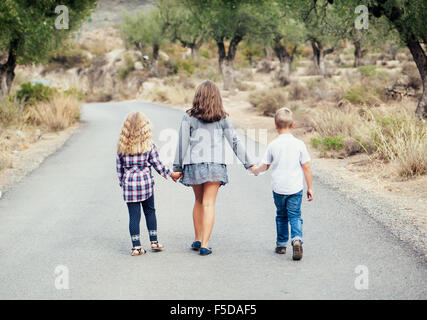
[[285, 155]]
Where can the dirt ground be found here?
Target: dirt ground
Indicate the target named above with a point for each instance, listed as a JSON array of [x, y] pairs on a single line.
[[30, 156]]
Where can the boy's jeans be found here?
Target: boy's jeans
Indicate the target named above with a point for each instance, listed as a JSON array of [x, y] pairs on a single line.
[[288, 209]]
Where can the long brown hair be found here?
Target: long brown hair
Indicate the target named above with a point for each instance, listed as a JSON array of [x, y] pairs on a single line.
[[207, 103], [135, 136]]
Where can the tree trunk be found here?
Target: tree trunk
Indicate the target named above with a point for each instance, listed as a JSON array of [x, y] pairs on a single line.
[[319, 57], [420, 59], [319, 66], [285, 59], [195, 50], [225, 61], [154, 63], [357, 54], [7, 71]]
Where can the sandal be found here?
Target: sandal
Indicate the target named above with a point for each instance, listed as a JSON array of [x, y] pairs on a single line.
[[137, 252], [156, 246]]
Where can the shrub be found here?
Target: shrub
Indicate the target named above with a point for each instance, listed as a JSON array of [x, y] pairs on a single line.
[[186, 66], [268, 101], [336, 123], [70, 55], [205, 53], [368, 71], [56, 114], [10, 111], [129, 66], [362, 95], [33, 93], [328, 143], [400, 138], [297, 91]]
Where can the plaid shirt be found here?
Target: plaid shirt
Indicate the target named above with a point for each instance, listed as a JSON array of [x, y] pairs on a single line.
[[134, 172]]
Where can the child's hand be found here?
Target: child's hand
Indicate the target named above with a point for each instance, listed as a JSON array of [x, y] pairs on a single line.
[[310, 195], [176, 175], [253, 171]]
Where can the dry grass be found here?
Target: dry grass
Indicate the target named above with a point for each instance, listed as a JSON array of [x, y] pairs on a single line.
[[57, 114], [386, 133], [268, 101], [336, 123], [400, 138]]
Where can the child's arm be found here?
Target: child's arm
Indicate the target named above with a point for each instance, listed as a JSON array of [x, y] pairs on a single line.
[[257, 169], [158, 165], [119, 169], [307, 173]]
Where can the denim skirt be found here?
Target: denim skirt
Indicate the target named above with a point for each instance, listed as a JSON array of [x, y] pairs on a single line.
[[199, 173]]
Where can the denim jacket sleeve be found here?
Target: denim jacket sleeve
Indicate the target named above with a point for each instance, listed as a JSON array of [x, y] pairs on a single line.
[[235, 143], [182, 145]]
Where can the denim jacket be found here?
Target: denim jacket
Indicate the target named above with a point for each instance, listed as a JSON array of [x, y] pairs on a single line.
[[203, 142]]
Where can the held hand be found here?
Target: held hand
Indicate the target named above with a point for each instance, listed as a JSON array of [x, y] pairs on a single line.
[[252, 170], [176, 175], [310, 195]]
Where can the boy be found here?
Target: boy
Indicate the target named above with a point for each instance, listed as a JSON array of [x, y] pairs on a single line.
[[289, 159]]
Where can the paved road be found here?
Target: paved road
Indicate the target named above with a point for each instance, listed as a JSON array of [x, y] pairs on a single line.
[[69, 212]]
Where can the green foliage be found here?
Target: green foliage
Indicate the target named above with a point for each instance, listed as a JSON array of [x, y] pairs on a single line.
[[144, 29], [129, 66], [69, 55], [372, 72], [328, 143], [32, 93], [362, 95], [28, 27]]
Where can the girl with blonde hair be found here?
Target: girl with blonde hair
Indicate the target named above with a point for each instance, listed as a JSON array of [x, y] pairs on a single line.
[[136, 154], [200, 156]]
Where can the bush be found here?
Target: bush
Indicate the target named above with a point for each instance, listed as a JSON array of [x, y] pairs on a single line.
[[33, 93], [268, 101], [129, 66], [361, 95], [186, 66], [10, 111], [400, 138], [70, 55], [328, 143], [57, 114]]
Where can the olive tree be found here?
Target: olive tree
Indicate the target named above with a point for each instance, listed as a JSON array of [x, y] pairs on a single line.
[[146, 29], [28, 32], [408, 19]]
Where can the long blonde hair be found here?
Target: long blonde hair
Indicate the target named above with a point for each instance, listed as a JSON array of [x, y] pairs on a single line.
[[135, 137]]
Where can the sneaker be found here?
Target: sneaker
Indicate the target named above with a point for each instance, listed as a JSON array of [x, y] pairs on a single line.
[[281, 250], [297, 250]]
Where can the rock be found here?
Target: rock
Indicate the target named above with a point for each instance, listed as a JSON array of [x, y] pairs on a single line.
[[139, 66], [163, 56]]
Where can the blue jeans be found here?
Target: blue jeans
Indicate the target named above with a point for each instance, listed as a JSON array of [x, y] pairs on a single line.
[[288, 209]]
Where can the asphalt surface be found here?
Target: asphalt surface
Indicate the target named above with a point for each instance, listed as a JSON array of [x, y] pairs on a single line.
[[69, 212]]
